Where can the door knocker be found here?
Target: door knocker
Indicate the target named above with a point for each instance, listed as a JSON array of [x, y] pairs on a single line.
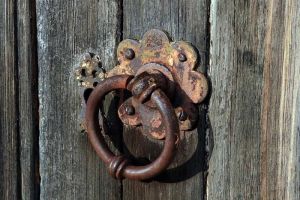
[[164, 87]]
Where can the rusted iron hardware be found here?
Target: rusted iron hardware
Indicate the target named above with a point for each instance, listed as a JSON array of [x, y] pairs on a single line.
[[88, 75], [164, 87], [119, 167], [174, 62]]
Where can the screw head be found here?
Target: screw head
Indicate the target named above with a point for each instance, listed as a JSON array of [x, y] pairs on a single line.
[[129, 54], [182, 57], [129, 110]]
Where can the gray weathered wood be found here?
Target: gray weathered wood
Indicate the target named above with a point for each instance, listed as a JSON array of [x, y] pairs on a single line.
[[8, 102], [280, 139], [69, 167], [183, 20], [9, 165], [28, 99], [19, 131], [254, 108]]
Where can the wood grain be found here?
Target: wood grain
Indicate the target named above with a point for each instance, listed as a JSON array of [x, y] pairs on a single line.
[[183, 20], [280, 139], [19, 117], [254, 108], [9, 164], [28, 99], [69, 167]]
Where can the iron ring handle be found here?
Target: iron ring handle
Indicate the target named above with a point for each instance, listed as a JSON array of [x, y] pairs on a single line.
[[118, 166]]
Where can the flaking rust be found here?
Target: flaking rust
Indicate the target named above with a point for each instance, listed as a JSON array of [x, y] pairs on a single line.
[[180, 58], [169, 66], [88, 74], [177, 62]]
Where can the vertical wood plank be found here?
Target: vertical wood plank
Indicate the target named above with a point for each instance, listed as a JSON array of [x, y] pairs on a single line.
[[69, 167], [254, 108], [9, 164], [280, 139], [19, 121], [236, 71], [183, 20], [28, 98]]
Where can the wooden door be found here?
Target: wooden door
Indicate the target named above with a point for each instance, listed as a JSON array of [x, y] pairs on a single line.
[[246, 145]]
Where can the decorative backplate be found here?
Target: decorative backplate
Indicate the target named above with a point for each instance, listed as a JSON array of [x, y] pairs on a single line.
[[155, 53]]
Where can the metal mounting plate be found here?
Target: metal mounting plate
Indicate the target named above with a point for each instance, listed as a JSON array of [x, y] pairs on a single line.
[[154, 53], [177, 61]]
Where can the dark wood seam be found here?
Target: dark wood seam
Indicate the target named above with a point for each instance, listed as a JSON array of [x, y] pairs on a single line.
[[120, 38], [207, 149], [34, 88], [16, 89]]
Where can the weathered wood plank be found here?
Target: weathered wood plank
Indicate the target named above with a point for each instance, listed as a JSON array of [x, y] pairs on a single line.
[[236, 72], [69, 167], [254, 108], [19, 121], [183, 20], [28, 99], [9, 165], [280, 139]]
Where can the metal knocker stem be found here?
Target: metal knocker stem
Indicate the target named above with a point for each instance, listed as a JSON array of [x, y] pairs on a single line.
[[119, 167]]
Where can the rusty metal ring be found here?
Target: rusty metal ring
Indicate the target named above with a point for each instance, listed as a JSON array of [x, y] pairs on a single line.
[[119, 166]]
